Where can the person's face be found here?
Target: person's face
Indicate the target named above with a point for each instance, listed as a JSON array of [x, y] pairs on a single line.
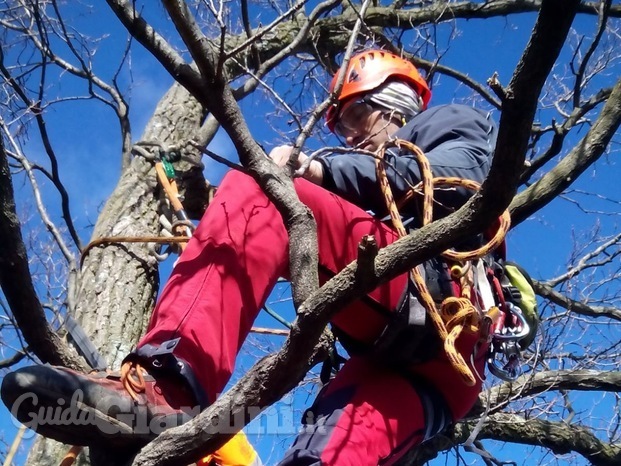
[[363, 126]]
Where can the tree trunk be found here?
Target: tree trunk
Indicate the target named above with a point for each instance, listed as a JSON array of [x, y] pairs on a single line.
[[118, 283]]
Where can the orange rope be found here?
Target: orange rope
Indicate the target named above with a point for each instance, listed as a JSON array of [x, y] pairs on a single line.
[[105, 240], [179, 228], [456, 314]]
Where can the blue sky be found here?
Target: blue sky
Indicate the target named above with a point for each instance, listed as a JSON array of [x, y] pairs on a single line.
[[87, 139]]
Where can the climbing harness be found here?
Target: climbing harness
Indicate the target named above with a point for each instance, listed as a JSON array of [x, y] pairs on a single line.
[[474, 310]]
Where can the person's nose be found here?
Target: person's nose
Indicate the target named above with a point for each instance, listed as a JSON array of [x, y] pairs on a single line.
[[352, 140]]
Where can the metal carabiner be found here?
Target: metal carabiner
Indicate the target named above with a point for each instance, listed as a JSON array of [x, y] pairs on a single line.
[[516, 333], [508, 371]]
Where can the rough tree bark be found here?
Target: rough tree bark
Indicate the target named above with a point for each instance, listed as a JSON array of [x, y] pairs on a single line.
[[118, 284]]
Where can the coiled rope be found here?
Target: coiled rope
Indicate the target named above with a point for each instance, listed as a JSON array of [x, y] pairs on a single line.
[[456, 314]]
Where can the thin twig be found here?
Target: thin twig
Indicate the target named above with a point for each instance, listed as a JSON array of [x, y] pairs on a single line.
[[49, 225], [601, 27], [322, 107]]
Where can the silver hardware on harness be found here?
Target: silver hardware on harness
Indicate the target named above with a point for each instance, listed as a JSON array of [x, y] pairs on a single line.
[[504, 360]]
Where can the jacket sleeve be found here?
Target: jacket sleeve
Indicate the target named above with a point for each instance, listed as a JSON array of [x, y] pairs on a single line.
[[457, 140]]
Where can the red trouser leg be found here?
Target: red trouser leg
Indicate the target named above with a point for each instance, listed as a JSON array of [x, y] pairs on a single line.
[[225, 275], [238, 251], [369, 415], [364, 417]]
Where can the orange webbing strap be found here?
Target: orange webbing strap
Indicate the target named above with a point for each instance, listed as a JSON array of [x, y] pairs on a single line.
[[236, 452], [457, 314], [172, 193], [170, 186]]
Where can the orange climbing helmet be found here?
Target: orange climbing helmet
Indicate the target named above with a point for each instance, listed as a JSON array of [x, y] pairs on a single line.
[[369, 70]]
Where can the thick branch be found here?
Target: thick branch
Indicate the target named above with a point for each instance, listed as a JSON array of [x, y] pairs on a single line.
[[544, 381], [289, 369], [574, 306], [328, 34], [520, 103], [559, 437], [273, 180], [587, 152]]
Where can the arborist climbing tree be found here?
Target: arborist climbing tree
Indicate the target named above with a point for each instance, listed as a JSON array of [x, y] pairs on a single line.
[[418, 344]]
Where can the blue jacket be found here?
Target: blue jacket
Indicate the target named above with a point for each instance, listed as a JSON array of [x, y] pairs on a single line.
[[458, 141]]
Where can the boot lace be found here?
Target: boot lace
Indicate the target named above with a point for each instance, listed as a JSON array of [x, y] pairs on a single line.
[[132, 378]]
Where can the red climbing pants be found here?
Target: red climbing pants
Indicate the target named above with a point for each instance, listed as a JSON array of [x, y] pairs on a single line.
[[367, 415]]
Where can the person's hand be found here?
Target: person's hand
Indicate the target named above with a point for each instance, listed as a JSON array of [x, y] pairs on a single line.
[[281, 154]]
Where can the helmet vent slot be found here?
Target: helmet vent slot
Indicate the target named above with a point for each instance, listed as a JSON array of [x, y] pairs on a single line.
[[354, 76]]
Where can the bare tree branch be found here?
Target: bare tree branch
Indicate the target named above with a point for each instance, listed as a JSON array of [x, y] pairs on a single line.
[[480, 89], [604, 253], [55, 176], [157, 45], [10, 361], [17, 285], [588, 150], [604, 7], [574, 306], [559, 437], [544, 381], [560, 132], [83, 71]]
